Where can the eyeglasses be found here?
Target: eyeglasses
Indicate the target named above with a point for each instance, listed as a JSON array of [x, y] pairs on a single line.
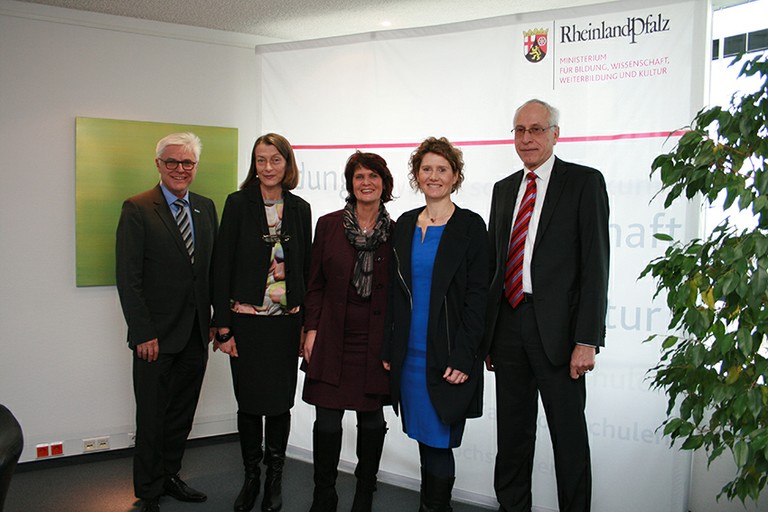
[[273, 239], [172, 164], [535, 131]]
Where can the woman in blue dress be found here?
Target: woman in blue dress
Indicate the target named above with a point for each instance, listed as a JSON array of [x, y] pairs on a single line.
[[434, 348]]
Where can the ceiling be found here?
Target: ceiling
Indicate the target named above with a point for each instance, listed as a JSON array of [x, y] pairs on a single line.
[[295, 20]]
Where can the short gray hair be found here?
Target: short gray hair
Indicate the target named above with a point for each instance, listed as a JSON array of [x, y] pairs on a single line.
[[554, 114], [186, 139]]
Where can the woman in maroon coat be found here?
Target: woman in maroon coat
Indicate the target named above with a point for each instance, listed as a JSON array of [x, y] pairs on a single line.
[[344, 311]]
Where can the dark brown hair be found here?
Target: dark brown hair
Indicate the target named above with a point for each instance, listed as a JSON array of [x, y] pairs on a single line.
[[376, 164]]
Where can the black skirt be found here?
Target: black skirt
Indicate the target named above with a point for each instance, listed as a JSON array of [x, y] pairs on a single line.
[[264, 373]]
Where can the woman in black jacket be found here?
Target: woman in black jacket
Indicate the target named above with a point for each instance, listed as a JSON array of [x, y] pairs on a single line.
[[260, 271], [433, 349]]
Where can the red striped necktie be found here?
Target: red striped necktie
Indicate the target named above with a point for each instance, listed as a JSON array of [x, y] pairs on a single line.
[[513, 275]]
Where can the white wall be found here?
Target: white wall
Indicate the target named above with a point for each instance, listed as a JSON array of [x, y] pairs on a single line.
[[64, 365]]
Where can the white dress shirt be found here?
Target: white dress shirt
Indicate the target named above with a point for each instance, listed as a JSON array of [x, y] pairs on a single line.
[[543, 172]]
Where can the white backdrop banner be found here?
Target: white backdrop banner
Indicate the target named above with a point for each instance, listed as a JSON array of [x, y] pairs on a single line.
[[623, 78]]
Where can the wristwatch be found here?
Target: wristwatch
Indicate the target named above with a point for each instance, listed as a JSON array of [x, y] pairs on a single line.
[[221, 338]]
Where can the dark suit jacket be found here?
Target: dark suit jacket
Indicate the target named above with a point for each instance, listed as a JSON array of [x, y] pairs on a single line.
[[456, 313], [569, 268], [325, 307], [160, 289], [242, 258]]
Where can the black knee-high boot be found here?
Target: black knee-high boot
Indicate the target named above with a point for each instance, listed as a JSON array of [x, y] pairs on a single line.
[[326, 449], [276, 431], [435, 493], [250, 429], [370, 442]]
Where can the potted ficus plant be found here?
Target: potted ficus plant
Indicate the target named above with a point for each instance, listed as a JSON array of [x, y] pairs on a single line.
[[714, 362]]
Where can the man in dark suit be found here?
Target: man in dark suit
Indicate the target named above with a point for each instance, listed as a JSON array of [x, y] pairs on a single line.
[[548, 234], [164, 242]]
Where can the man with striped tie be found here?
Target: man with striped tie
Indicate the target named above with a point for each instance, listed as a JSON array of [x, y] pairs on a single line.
[[165, 239], [549, 246]]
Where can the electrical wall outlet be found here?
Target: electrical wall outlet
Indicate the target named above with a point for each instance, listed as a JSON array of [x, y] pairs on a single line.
[[102, 443], [96, 444], [89, 445]]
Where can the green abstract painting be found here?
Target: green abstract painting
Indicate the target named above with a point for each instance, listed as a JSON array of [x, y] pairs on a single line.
[[115, 160]]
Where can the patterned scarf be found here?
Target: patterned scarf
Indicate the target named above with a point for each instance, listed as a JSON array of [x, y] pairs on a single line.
[[362, 277]]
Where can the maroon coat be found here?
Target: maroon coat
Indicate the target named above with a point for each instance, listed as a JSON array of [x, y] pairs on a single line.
[[333, 262]]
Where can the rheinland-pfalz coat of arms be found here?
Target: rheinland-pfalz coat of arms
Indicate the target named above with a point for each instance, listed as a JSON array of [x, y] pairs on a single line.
[[535, 44]]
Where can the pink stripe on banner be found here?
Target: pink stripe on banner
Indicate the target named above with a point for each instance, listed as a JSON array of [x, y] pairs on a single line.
[[623, 136], [498, 142], [383, 145]]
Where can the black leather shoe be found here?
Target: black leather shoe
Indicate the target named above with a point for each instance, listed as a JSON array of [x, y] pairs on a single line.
[[176, 488], [150, 505]]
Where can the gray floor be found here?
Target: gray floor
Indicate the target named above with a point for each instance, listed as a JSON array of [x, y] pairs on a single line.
[[103, 484]]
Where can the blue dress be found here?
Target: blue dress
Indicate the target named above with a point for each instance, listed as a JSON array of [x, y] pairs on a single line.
[[420, 418]]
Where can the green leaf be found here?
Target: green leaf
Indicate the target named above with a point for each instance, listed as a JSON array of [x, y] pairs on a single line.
[[663, 237], [718, 331], [660, 160], [745, 199], [726, 342], [730, 196], [745, 126], [705, 154], [691, 137], [698, 352], [759, 441], [761, 181], [668, 342], [733, 375], [684, 429], [759, 281], [759, 204], [744, 338], [755, 403], [729, 282], [693, 442], [740, 453], [761, 246], [739, 406], [672, 426], [707, 117]]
